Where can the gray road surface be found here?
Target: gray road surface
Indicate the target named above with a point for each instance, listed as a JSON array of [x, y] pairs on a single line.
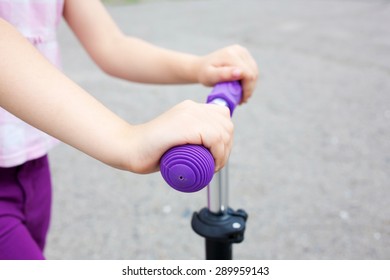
[[311, 161]]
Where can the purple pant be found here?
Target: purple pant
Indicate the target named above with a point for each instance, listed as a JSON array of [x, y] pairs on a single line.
[[25, 202]]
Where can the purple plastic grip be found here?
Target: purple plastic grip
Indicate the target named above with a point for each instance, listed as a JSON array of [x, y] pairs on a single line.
[[231, 92], [189, 168]]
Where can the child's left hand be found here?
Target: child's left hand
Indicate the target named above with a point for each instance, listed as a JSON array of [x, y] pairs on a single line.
[[228, 64]]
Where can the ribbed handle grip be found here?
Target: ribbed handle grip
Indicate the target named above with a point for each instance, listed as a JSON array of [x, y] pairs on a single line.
[[189, 168]]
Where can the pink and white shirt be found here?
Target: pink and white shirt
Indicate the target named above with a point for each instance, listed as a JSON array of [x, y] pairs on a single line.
[[37, 20]]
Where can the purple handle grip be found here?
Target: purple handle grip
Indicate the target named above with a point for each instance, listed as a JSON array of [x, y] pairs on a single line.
[[231, 92], [189, 168]]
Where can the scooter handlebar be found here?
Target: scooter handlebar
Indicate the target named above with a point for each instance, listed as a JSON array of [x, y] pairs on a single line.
[[189, 168]]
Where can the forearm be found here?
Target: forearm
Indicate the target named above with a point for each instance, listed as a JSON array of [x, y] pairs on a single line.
[[35, 91], [124, 56], [139, 61]]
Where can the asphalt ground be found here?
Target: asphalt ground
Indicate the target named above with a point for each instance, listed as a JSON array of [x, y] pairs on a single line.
[[311, 159]]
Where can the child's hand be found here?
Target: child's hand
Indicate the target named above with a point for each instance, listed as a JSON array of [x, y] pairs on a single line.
[[228, 64], [186, 123]]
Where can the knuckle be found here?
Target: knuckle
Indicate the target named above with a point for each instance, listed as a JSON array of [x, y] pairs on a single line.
[[223, 75], [187, 102], [237, 46], [230, 51], [225, 110], [220, 139], [233, 49], [240, 48], [222, 110]]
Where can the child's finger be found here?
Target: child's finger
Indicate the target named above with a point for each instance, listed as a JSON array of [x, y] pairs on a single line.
[[223, 74]]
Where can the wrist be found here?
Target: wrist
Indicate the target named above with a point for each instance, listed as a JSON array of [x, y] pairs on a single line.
[[190, 70]]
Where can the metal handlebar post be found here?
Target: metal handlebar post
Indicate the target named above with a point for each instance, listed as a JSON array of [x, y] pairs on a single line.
[[218, 192]]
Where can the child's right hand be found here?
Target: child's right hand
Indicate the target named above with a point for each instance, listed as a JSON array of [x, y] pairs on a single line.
[[186, 123]]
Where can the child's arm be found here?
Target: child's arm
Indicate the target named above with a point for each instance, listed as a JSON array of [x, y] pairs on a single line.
[[136, 60], [35, 91]]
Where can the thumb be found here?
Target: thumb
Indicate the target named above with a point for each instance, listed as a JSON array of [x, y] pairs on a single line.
[[223, 74]]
